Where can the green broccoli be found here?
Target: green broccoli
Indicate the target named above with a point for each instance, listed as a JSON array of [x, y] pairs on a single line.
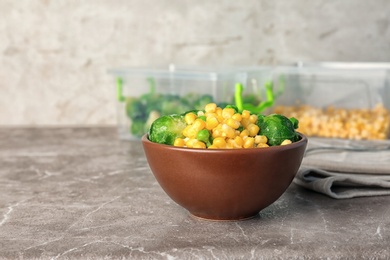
[[278, 128], [166, 129]]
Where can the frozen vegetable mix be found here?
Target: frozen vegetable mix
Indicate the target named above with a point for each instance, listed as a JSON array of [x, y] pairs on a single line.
[[214, 127]]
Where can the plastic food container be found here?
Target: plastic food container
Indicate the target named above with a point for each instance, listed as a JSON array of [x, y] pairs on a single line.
[[336, 100], [143, 94]]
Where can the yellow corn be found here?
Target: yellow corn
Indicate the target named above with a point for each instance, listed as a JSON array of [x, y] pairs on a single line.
[[219, 142], [249, 142], [244, 133], [245, 122], [189, 118], [191, 142], [179, 142], [199, 124], [245, 114], [238, 141], [210, 108], [228, 112], [199, 145], [237, 117], [190, 131], [262, 145], [211, 122], [253, 129], [217, 132], [233, 123], [253, 119], [261, 139], [286, 142], [229, 129]]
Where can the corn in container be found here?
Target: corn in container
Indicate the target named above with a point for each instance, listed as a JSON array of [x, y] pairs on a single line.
[[337, 100]]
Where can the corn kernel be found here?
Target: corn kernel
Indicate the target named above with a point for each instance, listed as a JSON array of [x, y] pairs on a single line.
[[199, 145], [190, 131], [244, 133], [237, 117], [189, 118], [228, 112], [253, 118], [179, 142], [239, 141], [211, 122], [245, 122], [228, 131], [262, 145], [199, 124], [191, 142], [210, 108], [219, 142], [200, 113], [249, 142], [253, 129], [217, 132], [233, 123], [261, 139], [286, 142], [245, 114]]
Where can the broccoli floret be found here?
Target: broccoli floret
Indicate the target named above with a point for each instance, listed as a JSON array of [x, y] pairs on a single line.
[[166, 129], [278, 128]]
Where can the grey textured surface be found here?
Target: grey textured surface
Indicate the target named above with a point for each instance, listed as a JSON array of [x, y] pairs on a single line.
[[80, 193], [54, 54]]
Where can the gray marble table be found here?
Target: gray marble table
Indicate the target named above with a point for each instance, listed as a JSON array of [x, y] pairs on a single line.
[[81, 193]]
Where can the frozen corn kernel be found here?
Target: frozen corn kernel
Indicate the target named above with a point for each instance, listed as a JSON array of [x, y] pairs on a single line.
[[199, 145], [286, 142], [369, 124], [233, 123], [249, 142], [253, 129], [219, 142], [228, 112], [189, 118], [245, 114], [237, 117], [210, 108], [211, 122], [261, 139], [253, 119], [262, 145], [179, 142]]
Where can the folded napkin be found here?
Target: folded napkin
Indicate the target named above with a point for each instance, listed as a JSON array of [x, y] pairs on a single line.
[[345, 169]]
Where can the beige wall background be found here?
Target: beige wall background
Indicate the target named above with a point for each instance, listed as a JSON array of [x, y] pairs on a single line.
[[54, 55]]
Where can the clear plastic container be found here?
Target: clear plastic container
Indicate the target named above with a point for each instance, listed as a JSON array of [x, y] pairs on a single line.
[[143, 94], [336, 100]]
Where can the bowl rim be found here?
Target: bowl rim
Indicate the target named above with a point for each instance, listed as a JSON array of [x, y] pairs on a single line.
[[293, 145]]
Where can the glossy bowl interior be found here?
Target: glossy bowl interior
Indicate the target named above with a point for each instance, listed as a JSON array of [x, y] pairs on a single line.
[[224, 184]]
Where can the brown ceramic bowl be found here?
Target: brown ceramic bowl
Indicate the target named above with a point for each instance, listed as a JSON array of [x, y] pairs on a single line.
[[224, 184]]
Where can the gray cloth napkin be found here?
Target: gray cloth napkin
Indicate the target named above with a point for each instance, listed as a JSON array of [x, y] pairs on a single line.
[[345, 169]]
